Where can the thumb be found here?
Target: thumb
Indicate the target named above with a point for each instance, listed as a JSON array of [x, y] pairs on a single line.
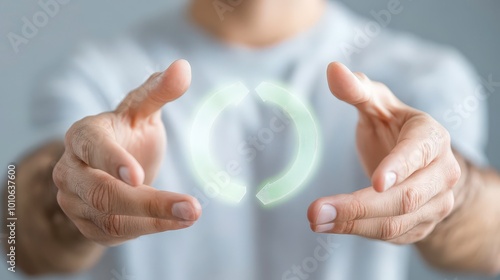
[[370, 98], [159, 89], [346, 86]]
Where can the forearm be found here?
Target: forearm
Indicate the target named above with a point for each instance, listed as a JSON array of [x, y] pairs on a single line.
[[469, 239], [47, 241]]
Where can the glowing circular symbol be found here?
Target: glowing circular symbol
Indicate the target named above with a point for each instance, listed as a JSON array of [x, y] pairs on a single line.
[[272, 190]]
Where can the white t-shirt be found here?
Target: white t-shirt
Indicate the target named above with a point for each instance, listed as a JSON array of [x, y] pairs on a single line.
[[246, 240]]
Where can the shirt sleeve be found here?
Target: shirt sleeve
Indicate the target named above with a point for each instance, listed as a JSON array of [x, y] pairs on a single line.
[[452, 93], [94, 80], [64, 98]]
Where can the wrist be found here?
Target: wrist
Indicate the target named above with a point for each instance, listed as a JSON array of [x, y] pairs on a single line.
[[48, 242], [462, 190]]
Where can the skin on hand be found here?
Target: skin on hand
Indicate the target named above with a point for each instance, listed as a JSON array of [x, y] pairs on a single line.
[[110, 159], [409, 158], [41, 226]]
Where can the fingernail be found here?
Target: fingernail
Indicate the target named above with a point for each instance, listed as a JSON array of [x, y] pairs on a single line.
[[327, 213], [389, 180], [184, 211], [324, 228], [125, 175]]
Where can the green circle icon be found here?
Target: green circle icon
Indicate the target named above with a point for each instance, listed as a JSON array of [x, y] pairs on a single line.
[[271, 190]]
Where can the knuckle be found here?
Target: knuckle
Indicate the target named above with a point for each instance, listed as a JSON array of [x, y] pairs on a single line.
[[454, 173], [154, 208], [70, 134], [159, 225], [61, 200], [429, 120], [80, 187], [410, 201], [391, 229], [86, 149], [100, 196], [424, 232], [356, 210], [75, 132], [430, 187], [405, 163], [362, 77], [111, 225], [439, 134], [348, 227], [142, 92], [86, 231], [84, 134], [88, 213], [153, 76], [381, 87], [447, 205], [405, 166], [59, 175], [428, 149], [418, 236], [445, 136]]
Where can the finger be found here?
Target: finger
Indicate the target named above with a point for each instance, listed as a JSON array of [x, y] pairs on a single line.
[[122, 227], [158, 90], [110, 196], [378, 228], [389, 228], [94, 233], [73, 207], [346, 86], [356, 89], [420, 142], [119, 226], [414, 235], [407, 198], [97, 148], [114, 230]]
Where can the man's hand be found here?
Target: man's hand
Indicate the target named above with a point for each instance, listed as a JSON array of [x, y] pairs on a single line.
[[110, 159], [409, 158]]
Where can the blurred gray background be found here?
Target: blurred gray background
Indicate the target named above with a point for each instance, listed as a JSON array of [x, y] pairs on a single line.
[[471, 26]]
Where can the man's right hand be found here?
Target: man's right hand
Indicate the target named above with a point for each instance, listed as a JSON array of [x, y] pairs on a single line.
[[110, 159]]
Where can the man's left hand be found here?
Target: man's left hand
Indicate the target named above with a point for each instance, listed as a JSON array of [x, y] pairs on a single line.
[[409, 158]]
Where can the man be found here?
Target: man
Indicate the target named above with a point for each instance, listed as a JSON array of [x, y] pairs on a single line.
[[427, 188]]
